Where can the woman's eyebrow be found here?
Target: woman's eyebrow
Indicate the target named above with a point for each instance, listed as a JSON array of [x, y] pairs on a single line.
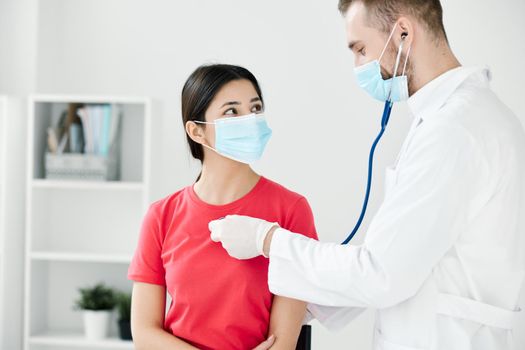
[[231, 103], [236, 103]]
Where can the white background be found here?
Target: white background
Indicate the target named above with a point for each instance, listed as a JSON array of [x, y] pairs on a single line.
[[323, 124]]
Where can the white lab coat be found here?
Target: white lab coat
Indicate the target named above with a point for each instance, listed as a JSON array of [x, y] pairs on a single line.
[[443, 261]]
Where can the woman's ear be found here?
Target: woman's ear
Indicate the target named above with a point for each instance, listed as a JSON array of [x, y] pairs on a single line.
[[195, 132]]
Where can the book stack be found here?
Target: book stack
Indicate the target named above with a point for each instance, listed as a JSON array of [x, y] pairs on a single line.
[[89, 129], [82, 146], [100, 123]]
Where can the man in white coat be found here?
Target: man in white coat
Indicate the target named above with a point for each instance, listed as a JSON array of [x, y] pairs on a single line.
[[443, 261]]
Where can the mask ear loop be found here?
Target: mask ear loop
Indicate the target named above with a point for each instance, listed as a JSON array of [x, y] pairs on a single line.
[[387, 42], [396, 67], [406, 60], [199, 122]]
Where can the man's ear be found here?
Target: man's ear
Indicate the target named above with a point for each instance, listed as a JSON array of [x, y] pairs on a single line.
[[195, 132], [406, 30]]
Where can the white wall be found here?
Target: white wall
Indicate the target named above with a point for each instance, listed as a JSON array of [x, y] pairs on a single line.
[[18, 34], [323, 124]]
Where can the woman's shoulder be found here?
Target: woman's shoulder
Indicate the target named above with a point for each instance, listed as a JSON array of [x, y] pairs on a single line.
[[169, 202], [282, 192]]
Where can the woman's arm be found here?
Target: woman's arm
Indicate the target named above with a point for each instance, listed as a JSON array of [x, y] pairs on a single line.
[[286, 321], [147, 319]]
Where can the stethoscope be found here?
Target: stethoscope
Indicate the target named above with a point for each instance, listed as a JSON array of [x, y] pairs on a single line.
[[384, 122]]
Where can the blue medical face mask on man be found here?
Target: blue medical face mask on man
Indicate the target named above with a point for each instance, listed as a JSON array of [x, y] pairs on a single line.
[[370, 79], [242, 139]]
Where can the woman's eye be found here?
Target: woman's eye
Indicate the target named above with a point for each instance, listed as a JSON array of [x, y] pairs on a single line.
[[256, 108], [230, 111], [362, 52]]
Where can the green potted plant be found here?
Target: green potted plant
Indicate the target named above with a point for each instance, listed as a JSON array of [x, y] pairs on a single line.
[[124, 311], [97, 304]]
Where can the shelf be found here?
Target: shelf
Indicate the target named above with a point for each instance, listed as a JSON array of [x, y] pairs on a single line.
[[81, 257], [70, 339], [90, 99], [129, 145], [88, 185], [85, 221]]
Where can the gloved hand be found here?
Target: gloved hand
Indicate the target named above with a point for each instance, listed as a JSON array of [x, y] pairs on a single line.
[[241, 236]]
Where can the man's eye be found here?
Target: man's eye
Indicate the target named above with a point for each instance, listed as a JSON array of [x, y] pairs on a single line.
[[362, 51]]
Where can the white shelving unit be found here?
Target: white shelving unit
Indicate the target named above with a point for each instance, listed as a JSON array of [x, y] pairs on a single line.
[[12, 167], [3, 175], [79, 233], [69, 340]]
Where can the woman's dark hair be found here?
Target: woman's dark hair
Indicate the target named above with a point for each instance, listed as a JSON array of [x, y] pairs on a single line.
[[200, 89]]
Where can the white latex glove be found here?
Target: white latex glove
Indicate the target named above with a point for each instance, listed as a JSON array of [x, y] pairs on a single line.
[[241, 236]]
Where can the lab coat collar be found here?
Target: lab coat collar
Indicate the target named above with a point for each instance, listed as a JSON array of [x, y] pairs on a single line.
[[427, 100]]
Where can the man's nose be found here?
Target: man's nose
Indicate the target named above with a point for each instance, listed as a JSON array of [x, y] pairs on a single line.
[[358, 62]]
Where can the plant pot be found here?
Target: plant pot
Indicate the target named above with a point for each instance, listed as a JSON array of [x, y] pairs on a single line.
[[124, 328], [96, 324]]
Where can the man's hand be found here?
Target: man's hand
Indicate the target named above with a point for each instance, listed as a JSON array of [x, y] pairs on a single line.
[[242, 236], [265, 345]]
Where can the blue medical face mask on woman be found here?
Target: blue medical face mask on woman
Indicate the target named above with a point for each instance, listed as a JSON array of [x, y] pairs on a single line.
[[242, 139], [370, 79]]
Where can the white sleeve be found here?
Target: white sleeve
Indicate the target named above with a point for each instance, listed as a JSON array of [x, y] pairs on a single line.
[[416, 225], [332, 317]]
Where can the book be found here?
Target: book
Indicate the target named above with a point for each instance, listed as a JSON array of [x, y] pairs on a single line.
[[100, 124]]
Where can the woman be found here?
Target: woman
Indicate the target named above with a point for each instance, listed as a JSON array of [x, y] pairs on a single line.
[[217, 302]]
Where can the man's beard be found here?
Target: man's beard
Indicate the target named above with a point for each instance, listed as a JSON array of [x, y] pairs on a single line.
[[387, 72]]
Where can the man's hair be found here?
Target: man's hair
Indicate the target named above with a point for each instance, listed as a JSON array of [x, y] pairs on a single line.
[[384, 13]]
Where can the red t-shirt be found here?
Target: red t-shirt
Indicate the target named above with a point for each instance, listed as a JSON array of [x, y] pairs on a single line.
[[217, 302]]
